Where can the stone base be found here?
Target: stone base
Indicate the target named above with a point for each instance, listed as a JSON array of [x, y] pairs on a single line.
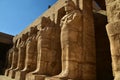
[[20, 75], [5, 78], [56, 78], [117, 75], [12, 74], [7, 72], [38, 77], [31, 76]]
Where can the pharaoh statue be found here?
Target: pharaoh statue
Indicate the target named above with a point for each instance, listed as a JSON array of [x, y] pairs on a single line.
[[113, 31], [9, 60], [22, 52], [48, 59], [14, 57], [71, 44], [21, 55], [31, 55]]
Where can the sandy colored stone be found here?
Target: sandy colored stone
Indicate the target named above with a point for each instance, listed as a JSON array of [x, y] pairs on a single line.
[[71, 27], [5, 78], [113, 8], [44, 57], [89, 49], [10, 53], [14, 58], [21, 55], [113, 31], [48, 58], [31, 55]]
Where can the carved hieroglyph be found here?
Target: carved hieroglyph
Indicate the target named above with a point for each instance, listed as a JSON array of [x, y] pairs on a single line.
[[113, 30], [31, 54], [48, 58], [71, 43]]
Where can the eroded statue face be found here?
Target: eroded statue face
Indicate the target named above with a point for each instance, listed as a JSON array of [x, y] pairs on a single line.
[[24, 36], [69, 6], [43, 22]]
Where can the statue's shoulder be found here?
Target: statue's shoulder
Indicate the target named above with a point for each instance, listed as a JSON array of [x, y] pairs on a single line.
[[78, 12]]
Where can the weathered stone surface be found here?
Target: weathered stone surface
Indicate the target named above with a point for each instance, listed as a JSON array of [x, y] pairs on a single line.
[[89, 50], [59, 54], [21, 55], [113, 10], [14, 58], [5, 78], [31, 55], [10, 53], [48, 48], [113, 30], [71, 45]]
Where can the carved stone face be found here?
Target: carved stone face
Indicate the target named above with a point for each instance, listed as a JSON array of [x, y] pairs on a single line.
[[43, 22], [31, 30], [69, 5], [24, 37]]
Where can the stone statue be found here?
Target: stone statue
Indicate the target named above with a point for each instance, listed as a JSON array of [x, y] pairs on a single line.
[[71, 43], [14, 57], [9, 60], [9, 57], [21, 55], [113, 31], [22, 52], [48, 59], [31, 55]]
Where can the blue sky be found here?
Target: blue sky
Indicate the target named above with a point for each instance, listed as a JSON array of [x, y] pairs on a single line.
[[16, 15]]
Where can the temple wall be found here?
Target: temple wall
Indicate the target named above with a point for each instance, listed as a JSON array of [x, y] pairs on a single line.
[[51, 12], [72, 55]]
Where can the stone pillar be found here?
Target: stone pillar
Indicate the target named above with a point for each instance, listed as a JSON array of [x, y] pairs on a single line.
[[31, 55], [21, 55], [48, 48], [113, 30], [89, 66]]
